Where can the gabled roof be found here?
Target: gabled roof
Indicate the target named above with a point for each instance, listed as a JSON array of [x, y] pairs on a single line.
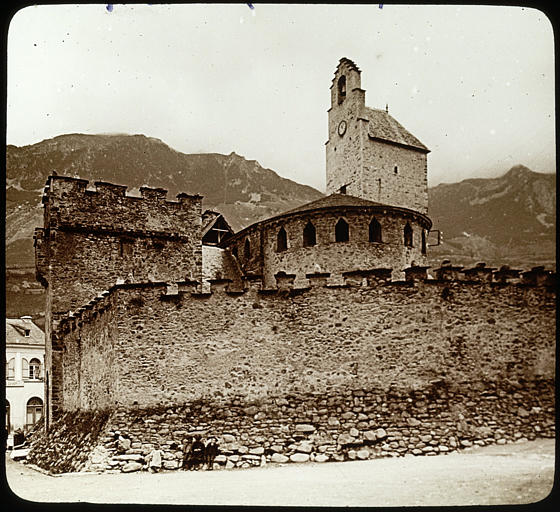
[[209, 217], [15, 333], [384, 127], [214, 220]]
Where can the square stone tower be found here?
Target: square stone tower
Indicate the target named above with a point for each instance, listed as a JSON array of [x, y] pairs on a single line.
[[369, 153]]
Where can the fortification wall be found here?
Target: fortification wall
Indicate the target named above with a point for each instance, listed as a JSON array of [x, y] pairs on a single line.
[[103, 236], [175, 345], [369, 369]]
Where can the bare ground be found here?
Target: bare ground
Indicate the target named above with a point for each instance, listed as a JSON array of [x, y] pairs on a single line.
[[518, 473]]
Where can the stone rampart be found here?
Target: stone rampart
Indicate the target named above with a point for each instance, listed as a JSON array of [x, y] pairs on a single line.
[[169, 343]]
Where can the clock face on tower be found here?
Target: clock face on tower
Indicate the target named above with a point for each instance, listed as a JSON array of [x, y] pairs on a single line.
[[341, 128]]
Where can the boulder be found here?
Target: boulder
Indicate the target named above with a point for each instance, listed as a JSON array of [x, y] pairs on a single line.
[[321, 457], [362, 454], [345, 439], [129, 467], [299, 457], [278, 458], [370, 435], [380, 433]]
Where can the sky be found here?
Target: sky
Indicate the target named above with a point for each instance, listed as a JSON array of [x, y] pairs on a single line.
[[474, 83]]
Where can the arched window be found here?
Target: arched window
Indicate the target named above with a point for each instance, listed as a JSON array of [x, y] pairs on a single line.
[[423, 241], [34, 368], [247, 249], [281, 240], [341, 89], [11, 369], [24, 368], [341, 231], [407, 235], [309, 235], [374, 231], [34, 411]]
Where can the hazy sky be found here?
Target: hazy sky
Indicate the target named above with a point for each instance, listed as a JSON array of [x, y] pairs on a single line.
[[473, 83]]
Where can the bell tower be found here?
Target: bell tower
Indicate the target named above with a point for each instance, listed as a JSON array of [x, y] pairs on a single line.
[[369, 153], [343, 147]]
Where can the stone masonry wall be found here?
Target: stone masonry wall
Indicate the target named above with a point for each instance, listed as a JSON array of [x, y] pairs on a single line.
[[174, 345], [328, 255], [318, 427], [104, 235], [369, 369], [408, 187]]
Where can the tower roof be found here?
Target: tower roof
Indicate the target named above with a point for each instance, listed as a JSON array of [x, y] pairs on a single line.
[[384, 127]]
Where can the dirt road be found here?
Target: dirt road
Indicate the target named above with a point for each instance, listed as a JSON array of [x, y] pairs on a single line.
[[509, 474]]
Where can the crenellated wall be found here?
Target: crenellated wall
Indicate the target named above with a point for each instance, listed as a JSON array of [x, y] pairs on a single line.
[[363, 369], [170, 344]]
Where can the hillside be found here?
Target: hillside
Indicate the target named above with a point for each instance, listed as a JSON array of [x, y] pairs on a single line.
[[510, 219], [240, 188]]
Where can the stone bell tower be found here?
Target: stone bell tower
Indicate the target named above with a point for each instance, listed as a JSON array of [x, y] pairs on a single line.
[[369, 153]]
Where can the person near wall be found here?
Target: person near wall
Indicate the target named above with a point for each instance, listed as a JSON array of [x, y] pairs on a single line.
[[196, 458], [210, 452], [154, 459], [187, 450]]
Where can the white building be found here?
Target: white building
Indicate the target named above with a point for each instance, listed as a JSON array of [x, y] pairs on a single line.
[[25, 355]]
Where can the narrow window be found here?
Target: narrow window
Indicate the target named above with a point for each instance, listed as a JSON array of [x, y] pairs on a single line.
[[341, 89], [407, 235], [234, 252], [396, 169], [374, 231], [8, 424], [34, 369], [24, 368], [341, 231], [309, 235], [27, 333], [281, 240], [423, 241], [34, 411], [247, 249], [11, 369]]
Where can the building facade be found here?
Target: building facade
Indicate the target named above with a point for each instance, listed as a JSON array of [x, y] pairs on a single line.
[[25, 367]]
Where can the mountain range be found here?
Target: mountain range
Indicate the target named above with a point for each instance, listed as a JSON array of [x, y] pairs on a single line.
[[506, 220]]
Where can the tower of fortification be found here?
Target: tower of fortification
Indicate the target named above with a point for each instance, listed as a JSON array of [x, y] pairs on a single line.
[[94, 238]]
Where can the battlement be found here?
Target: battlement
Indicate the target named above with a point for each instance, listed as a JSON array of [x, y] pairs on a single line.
[[74, 204], [447, 275]]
